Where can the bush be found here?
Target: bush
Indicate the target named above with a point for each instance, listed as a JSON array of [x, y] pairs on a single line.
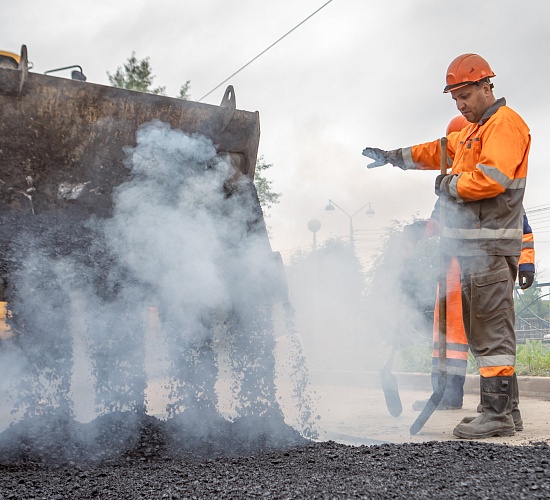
[[417, 357], [532, 358]]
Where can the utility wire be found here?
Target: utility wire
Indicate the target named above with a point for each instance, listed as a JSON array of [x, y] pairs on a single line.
[[540, 208], [264, 51]]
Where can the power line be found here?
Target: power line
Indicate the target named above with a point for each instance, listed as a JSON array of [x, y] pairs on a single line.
[[540, 208], [538, 215], [264, 51]]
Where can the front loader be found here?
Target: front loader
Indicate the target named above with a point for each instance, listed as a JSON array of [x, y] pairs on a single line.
[[63, 156]]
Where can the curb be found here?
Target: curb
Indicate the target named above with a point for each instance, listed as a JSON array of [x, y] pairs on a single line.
[[528, 386]]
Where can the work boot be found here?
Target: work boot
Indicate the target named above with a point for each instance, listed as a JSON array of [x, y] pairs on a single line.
[[480, 404], [452, 397], [496, 418], [516, 415]]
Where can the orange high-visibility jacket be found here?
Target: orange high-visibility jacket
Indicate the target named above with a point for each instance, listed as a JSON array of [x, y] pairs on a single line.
[[484, 214]]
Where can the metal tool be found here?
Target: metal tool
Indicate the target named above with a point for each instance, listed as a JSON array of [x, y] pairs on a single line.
[[437, 395]]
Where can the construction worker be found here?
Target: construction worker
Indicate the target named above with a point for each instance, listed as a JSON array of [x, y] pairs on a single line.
[[457, 343], [482, 213]]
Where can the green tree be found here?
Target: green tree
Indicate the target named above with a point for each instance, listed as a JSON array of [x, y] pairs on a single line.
[[135, 75], [266, 194], [326, 289], [185, 91], [401, 287]]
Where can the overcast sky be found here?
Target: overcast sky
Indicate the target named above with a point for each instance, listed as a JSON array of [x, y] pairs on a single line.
[[358, 73]]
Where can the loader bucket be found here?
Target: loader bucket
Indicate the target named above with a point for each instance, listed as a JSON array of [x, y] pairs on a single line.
[[58, 132], [62, 143]]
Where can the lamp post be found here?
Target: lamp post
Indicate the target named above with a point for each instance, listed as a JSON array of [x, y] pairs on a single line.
[[314, 225], [369, 212]]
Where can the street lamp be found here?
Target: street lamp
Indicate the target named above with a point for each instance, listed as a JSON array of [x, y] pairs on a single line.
[[314, 225], [333, 206], [75, 74]]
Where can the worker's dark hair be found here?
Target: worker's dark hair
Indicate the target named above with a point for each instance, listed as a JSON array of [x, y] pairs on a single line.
[[485, 80]]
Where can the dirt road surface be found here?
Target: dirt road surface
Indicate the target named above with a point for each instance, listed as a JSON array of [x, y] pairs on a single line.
[[353, 411]]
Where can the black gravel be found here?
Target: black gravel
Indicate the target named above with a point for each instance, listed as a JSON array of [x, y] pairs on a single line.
[[314, 470]]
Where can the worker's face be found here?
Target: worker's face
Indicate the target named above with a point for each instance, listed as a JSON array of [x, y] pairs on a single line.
[[472, 101]]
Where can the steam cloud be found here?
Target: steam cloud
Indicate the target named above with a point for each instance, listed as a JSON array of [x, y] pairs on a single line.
[[186, 239]]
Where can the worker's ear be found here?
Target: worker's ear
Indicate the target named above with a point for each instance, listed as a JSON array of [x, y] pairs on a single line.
[[487, 88]]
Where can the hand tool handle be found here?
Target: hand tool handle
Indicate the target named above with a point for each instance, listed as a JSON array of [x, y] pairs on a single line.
[[437, 395]]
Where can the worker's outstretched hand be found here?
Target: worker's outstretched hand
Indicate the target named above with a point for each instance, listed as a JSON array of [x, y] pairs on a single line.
[[526, 279], [379, 156]]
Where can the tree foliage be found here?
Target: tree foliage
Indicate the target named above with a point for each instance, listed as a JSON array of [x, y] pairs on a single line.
[[266, 194], [185, 91], [402, 287], [326, 288], [135, 75]]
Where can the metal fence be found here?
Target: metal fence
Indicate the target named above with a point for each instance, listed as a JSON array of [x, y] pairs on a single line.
[[529, 324]]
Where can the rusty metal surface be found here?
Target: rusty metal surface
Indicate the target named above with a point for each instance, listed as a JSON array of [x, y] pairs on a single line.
[[62, 141], [62, 153]]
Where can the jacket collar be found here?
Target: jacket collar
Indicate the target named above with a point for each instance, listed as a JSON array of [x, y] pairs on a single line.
[[491, 110]]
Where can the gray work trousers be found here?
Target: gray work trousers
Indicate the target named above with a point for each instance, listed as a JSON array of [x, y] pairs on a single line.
[[488, 310]]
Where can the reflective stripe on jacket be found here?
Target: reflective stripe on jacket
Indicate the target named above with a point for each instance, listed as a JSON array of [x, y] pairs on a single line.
[[457, 343], [484, 214]]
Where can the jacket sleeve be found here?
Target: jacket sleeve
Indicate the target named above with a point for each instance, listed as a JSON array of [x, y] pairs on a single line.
[[527, 257], [503, 151], [427, 156]]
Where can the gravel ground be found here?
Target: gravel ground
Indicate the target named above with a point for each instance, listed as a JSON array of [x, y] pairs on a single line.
[[271, 461]]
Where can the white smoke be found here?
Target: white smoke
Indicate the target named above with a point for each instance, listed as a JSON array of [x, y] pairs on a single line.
[[186, 238]]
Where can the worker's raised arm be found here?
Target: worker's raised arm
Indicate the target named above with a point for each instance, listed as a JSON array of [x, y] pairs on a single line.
[[420, 157]]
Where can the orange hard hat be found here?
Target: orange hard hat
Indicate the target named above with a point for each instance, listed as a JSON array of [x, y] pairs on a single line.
[[465, 70], [457, 124]]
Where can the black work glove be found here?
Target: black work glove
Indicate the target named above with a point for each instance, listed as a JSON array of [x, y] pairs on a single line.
[[381, 157], [526, 279], [442, 184]]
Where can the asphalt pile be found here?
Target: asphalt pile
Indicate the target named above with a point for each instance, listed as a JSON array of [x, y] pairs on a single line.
[[55, 440], [287, 470]]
